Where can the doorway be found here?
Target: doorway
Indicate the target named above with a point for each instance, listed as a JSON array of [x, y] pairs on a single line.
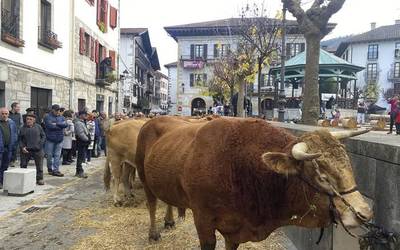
[[40, 100]]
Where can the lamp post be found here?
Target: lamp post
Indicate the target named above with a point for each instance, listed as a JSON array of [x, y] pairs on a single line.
[[282, 97]]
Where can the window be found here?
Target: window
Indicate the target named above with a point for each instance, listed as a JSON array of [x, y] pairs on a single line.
[[397, 70], [373, 51], [10, 22], [102, 11], [293, 49], [91, 2], [198, 51], [198, 80], [221, 50], [47, 37], [397, 51], [87, 45], [372, 72]]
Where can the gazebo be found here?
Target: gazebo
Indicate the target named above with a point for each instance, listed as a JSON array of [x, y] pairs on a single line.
[[332, 69]]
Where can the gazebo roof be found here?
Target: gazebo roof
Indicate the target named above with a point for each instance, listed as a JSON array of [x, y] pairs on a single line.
[[327, 61]]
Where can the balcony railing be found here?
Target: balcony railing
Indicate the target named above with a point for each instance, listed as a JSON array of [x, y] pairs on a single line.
[[10, 28], [371, 76], [394, 76], [48, 38]]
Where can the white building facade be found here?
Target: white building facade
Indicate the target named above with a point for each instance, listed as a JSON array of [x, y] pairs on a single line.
[[378, 50], [40, 52], [199, 46], [172, 88]]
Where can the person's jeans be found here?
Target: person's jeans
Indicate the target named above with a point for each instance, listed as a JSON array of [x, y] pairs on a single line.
[[82, 149], [99, 145], [392, 118], [53, 152], [38, 158], [5, 158], [360, 118]]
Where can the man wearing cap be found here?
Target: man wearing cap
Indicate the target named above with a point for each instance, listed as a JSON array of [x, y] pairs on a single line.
[[54, 126], [29, 111], [31, 141], [83, 139], [8, 141]]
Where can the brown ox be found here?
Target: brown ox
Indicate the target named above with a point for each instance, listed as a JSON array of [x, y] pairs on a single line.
[[119, 170], [245, 178]]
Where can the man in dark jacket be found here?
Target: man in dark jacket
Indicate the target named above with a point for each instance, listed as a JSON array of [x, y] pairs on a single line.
[[8, 141], [82, 136], [31, 141], [54, 128], [15, 115]]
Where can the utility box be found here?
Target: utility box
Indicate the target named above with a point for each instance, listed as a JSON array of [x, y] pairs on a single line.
[[19, 181]]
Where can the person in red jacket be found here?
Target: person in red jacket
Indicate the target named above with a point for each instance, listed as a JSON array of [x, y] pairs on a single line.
[[397, 118], [393, 107]]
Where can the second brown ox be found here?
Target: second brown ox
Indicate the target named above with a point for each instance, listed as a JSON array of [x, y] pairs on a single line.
[[245, 178]]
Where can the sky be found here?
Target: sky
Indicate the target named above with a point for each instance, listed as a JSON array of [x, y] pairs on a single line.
[[355, 17]]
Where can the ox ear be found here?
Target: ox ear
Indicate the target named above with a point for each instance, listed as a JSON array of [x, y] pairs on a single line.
[[280, 163]]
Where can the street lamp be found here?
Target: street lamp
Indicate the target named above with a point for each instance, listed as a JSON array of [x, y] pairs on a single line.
[[282, 97]]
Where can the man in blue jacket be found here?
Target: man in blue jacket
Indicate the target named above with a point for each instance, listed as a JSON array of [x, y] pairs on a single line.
[[8, 141], [54, 127]]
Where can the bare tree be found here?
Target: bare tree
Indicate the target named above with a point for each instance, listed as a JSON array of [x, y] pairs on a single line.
[[313, 23], [262, 34]]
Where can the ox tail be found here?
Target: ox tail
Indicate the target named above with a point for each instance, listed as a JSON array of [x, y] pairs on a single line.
[[107, 174]]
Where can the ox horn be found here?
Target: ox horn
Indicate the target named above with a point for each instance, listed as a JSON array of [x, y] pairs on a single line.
[[347, 134], [299, 152]]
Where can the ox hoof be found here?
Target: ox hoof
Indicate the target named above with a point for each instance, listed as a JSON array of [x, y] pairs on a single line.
[[154, 236], [169, 224]]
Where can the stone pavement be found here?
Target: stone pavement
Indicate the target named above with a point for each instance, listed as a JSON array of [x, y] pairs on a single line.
[[53, 184]]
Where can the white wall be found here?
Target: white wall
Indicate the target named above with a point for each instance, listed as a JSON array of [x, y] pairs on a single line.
[[172, 77], [34, 55], [359, 56], [87, 14]]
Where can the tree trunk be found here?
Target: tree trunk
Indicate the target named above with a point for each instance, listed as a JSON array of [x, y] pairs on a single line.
[[240, 100], [311, 107], [259, 67], [232, 89]]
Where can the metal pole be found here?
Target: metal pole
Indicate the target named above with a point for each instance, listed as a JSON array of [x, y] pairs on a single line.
[[282, 97]]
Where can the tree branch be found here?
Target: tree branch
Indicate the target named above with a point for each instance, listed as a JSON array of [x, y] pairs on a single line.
[[294, 7], [333, 7]]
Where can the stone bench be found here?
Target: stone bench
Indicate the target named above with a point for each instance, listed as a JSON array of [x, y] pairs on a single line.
[[19, 181]]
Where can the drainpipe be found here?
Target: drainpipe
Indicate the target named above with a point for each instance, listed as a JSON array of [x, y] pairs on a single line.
[[119, 83], [72, 57]]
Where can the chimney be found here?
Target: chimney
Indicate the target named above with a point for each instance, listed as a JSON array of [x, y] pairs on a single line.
[[397, 21], [373, 26]]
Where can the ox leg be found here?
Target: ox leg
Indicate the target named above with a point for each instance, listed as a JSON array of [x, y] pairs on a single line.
[[169, 218], [152, 206], [229, 245], [128, 171], [205, 231], [116, 171], [181, 214]]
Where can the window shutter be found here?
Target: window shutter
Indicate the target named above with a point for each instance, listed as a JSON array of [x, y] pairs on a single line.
[[96, 52], [104, 54], [215, 50], [205, 80], [98, 11], [92, 48], [303, 47], [191, 80], [105, 14], [192, 51], [112, 55], [113, 17], [205, 51], [81, 41]]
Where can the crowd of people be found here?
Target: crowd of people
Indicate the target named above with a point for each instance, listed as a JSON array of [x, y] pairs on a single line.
[[59, 137]]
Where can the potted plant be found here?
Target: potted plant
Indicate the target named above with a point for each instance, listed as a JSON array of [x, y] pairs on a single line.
[[102, 26], [111, 77]]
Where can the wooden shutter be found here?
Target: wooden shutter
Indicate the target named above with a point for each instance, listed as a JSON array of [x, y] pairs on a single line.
[[98, 12], [302, 47], [112, 55], [92, 48], [96, 51], [81, 41], [205, 51], [105, 14], [103, 54], [192, 51], [113, 17], [215, 50], [191, 80]]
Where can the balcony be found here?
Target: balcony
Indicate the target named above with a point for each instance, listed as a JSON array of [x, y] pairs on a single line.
[[394, 76], [10, 28], [371, 77], [105, 74], [48, 38]]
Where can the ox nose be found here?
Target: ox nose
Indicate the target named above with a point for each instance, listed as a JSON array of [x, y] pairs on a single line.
[[349, 218]]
